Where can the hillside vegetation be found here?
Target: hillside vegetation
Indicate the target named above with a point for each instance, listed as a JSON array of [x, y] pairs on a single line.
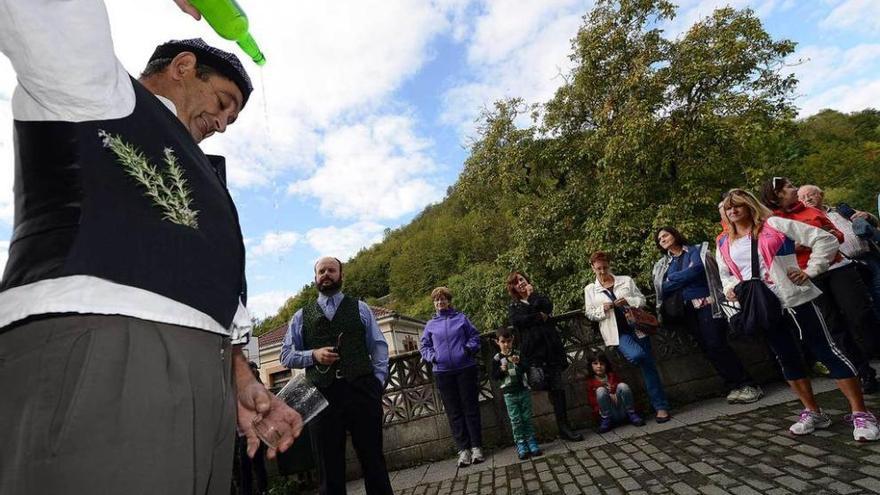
[[646, 131]]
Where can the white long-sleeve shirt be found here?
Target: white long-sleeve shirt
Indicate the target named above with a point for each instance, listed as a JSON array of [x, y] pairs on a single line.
[[63, 56]]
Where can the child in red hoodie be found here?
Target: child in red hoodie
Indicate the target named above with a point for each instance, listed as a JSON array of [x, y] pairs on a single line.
[[611, 399]]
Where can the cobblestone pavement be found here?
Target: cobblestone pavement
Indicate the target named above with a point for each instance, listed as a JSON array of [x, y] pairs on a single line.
[[741, 453]]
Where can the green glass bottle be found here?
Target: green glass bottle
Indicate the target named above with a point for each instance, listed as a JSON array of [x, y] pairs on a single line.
[[230, 22]]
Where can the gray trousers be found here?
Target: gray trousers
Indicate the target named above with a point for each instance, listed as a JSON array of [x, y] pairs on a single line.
[[111, 404]]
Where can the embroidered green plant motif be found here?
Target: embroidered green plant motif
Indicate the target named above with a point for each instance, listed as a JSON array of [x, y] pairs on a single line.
[[166, 188]]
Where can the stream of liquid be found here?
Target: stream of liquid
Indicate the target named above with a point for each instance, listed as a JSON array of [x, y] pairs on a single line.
[[277, 191]]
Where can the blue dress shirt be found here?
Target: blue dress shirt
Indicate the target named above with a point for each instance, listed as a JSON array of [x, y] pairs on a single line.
[[294, 356]]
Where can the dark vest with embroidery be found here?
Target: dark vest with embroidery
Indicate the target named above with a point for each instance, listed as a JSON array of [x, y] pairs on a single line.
[[78, 211], [354, 357]]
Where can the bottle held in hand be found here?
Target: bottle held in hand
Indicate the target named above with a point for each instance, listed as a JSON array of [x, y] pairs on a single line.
[[228, 19]]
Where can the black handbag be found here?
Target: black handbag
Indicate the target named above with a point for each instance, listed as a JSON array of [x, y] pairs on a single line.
[[761, 310], [536, 378], [672, 308]]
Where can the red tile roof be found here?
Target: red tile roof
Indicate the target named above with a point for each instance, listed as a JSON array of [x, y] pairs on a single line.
[[275, 336], [380, 312]]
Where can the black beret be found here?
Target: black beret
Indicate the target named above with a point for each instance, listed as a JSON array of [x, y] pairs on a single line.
[[223, 62]]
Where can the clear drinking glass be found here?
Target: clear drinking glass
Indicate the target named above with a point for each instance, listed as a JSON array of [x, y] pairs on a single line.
[[303, 397]]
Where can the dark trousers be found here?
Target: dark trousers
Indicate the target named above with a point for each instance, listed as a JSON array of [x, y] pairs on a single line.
[[356, 407], [111, 404], [711, 335], [460, 393], [871, 276], [846, 307], [251, 470], [805, 323]]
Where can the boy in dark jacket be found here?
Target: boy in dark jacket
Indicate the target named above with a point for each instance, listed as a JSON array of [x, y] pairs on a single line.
[[507, 369]]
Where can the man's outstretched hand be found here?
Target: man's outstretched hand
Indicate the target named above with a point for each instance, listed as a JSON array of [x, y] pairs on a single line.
[[282, 423], [254, 403], [189, 9]]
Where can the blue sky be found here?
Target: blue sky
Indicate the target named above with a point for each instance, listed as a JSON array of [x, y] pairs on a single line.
[[362, 115]]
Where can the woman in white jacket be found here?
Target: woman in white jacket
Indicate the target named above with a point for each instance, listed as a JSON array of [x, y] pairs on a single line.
[[779, 271], [604, 302]]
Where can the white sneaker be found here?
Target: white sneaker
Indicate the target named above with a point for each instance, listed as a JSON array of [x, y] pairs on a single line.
[[810, 421], [477, 455], [865, 427], [733, 396], [464, 458], [749, 394]]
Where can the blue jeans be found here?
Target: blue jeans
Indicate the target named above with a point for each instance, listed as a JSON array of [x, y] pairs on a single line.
[[638, 352], [617, 411]]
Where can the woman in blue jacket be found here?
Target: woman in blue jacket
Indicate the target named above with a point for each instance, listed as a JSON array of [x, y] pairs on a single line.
[[450, 343], [682, 285]]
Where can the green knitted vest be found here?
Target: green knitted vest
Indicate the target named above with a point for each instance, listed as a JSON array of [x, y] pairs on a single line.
[[354, 357]]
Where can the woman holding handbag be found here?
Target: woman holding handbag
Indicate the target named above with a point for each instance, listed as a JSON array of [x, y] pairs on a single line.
[[541, 349], [759, 268], [606, 301], [681, 283]]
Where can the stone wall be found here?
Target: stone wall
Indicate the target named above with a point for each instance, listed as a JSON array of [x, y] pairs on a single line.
[[416, 429]]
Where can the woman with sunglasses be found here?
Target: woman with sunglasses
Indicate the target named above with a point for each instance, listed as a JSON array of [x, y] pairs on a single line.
[[799, 317], [845, 303]]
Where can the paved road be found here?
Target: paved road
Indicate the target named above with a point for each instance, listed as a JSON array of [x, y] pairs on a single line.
[[710, 448]]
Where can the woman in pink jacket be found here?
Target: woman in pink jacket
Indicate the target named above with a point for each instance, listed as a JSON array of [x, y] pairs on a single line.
[[795, 315]]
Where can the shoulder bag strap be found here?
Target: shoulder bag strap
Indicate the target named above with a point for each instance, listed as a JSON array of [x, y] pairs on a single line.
[[756, 267]]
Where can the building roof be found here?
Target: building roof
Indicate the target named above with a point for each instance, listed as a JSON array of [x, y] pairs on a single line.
[[275, 336]]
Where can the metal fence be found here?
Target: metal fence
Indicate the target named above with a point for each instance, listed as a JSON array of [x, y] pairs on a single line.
[[411, 394]]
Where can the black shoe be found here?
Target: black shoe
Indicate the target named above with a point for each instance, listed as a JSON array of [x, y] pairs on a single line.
[[565, 433]]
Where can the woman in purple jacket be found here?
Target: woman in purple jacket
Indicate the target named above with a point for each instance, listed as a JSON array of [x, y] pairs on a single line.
[[450, 343]]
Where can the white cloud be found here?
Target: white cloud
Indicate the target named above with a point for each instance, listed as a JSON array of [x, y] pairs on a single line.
[[344, 242], [832, 77], [4, 254], [854, 15], [267, 303], [850, 97], [325, 62], [274, 243], [510, 24], [692, 11], [375, 169], [7, 162], [518, 49]]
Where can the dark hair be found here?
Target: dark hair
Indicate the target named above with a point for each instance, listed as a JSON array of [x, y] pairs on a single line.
[[600, 256], [159, 65], [511, 284], [602, 358], [505, 332], [679, 239], [769, 189]]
